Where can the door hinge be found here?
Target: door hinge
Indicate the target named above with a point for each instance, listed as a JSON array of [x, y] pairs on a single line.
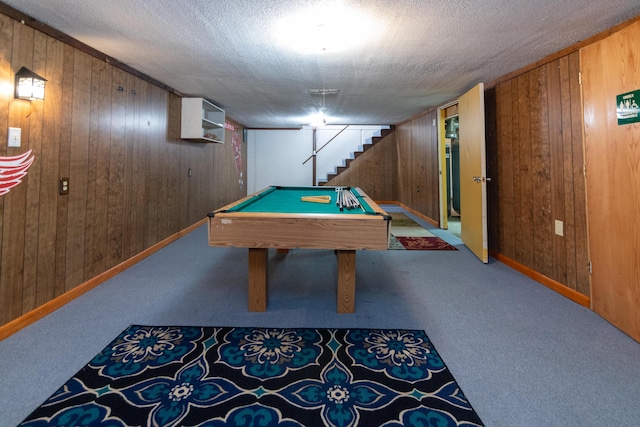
[[590, 268], [580, 77], [584, 170]]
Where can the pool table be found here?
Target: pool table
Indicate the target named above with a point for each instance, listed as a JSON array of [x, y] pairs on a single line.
[[279, 217]]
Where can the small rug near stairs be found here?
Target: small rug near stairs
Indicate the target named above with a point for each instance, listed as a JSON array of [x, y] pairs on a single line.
[[222, 376], [406, 234]]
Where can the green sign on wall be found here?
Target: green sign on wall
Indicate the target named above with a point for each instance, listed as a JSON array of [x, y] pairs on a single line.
[[628, 109]]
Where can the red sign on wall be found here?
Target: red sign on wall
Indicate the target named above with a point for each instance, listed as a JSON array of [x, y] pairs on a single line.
[[12, 170]]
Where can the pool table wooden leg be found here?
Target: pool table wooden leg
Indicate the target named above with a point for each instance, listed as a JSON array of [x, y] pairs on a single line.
[[258, 268], [346, 281]]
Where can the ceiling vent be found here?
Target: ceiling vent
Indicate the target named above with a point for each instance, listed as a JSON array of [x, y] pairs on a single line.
[[322, 92]]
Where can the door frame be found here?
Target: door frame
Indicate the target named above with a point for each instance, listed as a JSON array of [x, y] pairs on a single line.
[[442, 165]]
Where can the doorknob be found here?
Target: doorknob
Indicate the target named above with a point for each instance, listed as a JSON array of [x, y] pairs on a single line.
[[481, 179]]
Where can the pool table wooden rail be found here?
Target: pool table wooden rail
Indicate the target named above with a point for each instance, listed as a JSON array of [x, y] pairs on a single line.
[[310, 231]]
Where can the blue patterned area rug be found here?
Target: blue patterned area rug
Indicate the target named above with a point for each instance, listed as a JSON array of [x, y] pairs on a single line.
[[206, 376]]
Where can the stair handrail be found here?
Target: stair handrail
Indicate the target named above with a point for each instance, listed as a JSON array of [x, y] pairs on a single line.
[[327, 143]]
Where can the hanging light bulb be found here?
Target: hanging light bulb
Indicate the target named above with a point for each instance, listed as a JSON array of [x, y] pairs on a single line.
[[318, 120]]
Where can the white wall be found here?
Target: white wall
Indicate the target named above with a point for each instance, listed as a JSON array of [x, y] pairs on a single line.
[[275, 157]]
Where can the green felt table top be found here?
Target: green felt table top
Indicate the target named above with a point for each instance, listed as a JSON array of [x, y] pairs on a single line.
[[288, 200]]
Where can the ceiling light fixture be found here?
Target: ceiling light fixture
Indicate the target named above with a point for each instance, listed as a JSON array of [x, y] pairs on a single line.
[[320, 118], [331, 27]]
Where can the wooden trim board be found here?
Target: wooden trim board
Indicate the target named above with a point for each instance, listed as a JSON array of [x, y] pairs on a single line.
[[574, 296]]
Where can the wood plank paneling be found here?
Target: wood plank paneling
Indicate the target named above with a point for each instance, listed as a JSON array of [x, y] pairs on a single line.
[[374, 171], [524, 171], [46, 262], [123, 156], [65, 126], [403, 146], [76, 162], [506, 184], [556, 169], [418, 185], [579, 194], [115, 189], [36, 117], [14, 218], [539, 145], [543, 228]]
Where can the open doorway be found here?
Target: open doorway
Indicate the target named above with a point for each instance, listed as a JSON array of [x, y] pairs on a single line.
[[452, 158], [471, 170], [449, 160]]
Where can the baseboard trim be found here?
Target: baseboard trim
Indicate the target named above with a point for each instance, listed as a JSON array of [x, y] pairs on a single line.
[[563, 290], [418, 214], [27, 319]]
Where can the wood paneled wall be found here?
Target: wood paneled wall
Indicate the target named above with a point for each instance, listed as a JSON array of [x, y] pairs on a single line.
[[418, 173], [375, 171], [535, 159], [117, 138]]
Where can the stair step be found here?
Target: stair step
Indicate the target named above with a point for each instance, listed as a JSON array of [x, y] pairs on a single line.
[[367, 145]]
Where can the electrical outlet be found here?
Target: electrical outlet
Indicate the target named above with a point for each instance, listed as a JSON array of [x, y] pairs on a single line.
[[559, 228], [63, 187]]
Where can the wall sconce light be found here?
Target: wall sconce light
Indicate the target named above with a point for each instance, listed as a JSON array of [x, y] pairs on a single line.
[[29, 85]]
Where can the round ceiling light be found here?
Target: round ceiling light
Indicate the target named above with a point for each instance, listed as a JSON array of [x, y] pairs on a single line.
[[326, 28]]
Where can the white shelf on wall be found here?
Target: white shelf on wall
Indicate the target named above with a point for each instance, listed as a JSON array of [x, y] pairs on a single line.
[[201, 121]]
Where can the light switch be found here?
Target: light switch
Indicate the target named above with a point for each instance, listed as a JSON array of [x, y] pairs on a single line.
[[15, 135], [559, 228]]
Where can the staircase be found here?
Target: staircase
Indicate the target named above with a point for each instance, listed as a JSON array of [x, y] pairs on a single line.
[[346, 162]]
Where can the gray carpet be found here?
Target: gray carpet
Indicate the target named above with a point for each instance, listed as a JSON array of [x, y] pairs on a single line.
[[523, 354]]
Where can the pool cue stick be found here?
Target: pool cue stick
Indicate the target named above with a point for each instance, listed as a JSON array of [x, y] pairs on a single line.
[[350, 199], [345, 199], [358, 204], [356, 201]]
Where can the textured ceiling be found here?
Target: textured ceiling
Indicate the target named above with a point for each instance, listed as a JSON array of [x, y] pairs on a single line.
[[421, 53]]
